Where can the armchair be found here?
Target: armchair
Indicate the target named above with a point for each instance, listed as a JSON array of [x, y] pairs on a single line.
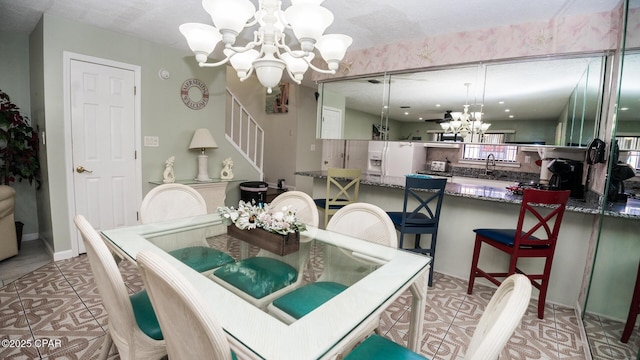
[[9, 243]]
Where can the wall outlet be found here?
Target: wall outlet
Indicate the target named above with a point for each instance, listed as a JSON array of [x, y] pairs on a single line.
[[527, 159], [151, 141]]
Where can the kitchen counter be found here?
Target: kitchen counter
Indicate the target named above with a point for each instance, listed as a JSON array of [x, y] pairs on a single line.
[[467, 207], [629, 210]]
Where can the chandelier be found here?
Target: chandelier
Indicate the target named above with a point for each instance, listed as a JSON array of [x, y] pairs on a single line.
[[267, 55], [465, 122]]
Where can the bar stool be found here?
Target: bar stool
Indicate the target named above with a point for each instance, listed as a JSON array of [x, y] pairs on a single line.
[[538, 241], [424, 218], [342, 190], [634, 309]]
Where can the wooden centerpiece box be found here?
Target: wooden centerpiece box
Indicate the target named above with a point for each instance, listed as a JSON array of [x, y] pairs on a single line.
[[273, 242]]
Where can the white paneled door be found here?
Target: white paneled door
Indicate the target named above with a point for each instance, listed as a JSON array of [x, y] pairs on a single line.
[[331, 123], [104, 144]]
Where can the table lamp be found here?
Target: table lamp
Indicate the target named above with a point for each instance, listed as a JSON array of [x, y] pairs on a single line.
[[202, 139]]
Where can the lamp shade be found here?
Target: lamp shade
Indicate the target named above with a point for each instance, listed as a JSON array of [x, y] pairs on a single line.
[[332, 47], [297, 65], [202, 39], [269, 71], [242, 61], [308, 23], [202, 139], [229, 15]]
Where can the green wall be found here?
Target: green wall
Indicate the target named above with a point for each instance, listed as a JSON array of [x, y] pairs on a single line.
[[14, 81], [163, 113]]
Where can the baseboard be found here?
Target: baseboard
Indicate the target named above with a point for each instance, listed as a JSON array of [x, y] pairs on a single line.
[[62, 255], [30, 237]]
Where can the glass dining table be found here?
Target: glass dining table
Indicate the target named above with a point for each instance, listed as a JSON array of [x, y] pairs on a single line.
[[324, 332]]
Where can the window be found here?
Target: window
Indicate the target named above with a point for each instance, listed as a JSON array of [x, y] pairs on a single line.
[[503, 153], [628, 142], [634, 159], [631, 143]]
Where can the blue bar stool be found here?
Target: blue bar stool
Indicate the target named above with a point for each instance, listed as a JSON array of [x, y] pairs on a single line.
[[424, 218]]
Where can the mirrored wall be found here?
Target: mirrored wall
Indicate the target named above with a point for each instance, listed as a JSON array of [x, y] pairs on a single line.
[[617, 252], [552, 101]]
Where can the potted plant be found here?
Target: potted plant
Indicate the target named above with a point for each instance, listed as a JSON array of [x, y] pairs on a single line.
[[18, 149], [18, 145], [275, 230]]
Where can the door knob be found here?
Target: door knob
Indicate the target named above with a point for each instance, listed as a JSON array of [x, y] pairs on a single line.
[[81, 169]]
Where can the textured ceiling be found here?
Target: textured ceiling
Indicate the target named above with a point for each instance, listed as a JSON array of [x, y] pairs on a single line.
[[369, 22]]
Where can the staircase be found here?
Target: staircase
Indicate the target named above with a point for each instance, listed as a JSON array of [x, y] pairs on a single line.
[[244, 133]]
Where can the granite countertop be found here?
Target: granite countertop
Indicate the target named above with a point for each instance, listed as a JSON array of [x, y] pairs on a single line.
[[629, 210]]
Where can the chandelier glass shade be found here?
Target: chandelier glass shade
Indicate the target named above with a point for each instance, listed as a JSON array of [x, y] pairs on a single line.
[[268, 54], [465, 122]]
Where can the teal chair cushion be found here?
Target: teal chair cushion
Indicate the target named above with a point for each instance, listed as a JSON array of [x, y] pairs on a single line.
[[258, 276], [304, 300], [145, 316], [202, 258], [376, 347]]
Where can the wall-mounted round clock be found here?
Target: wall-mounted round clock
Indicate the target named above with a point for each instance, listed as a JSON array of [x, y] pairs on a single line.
[[194, 94]]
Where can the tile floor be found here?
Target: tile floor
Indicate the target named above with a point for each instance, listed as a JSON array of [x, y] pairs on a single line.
[[32, 255], [59, 303]]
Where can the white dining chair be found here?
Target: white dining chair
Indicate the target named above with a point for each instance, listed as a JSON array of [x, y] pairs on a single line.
[[360, 220], [191, 328], [266, 276], [496, 326], [133, 326], [303, 204], [175, 201]]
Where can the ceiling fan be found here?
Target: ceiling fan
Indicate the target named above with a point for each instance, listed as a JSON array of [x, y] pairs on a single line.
[[447, 117]]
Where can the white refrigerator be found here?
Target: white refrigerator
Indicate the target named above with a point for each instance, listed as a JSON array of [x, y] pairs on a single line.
[[396, 158]]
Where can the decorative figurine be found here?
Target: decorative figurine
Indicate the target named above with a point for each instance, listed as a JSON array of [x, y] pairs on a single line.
[[226, 173], [168, 175]]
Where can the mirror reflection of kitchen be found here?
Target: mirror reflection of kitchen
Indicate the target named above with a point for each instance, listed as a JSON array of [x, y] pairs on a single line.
[[614, 277], [551, 101]]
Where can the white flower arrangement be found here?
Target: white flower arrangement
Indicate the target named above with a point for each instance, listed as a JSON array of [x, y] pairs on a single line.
[[251, 216]]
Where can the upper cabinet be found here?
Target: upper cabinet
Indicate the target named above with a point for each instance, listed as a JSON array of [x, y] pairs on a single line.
[[552, 101]]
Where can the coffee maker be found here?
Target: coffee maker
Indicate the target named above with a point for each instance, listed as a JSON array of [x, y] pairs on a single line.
[[619, 173], [567, 175]]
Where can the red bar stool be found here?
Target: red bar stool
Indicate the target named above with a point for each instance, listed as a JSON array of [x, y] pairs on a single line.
[[633, 311], [538, 241]]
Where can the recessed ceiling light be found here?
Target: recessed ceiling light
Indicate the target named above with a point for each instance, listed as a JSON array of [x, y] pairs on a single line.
[[406, 113], [506, 110], [420, 118], [500, 102], [437, 105], [511, 116], [385, 107]]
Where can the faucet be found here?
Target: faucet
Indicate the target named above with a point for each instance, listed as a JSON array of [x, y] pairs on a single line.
[[491, 160]]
